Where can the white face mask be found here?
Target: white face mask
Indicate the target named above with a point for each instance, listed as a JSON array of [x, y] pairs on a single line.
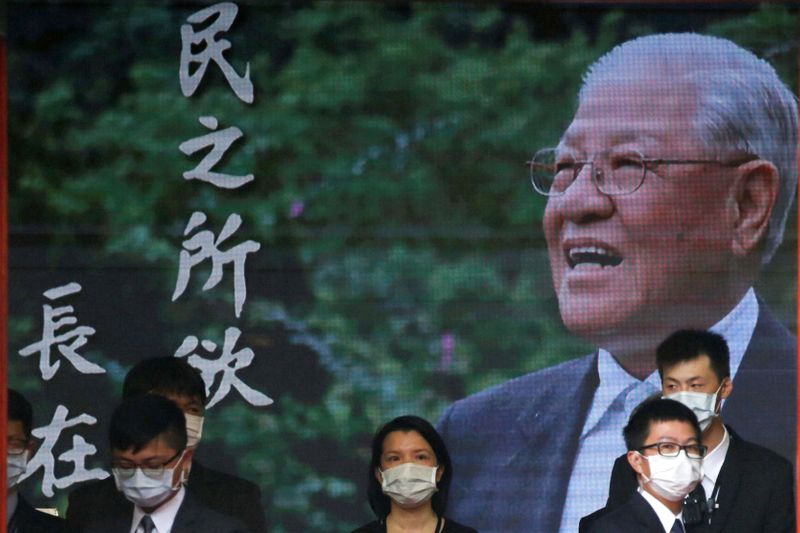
[[194, 429], [145, 491], [702, 404], [409, 483], [673, 477], [15, 467]]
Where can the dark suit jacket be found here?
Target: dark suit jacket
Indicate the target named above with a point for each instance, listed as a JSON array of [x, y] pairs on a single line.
[[192, 517], [224, 493], [26, 519], [513, 446], [756, 490], [634, 516]]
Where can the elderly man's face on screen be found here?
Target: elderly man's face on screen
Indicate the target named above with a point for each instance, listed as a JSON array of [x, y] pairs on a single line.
[[643, 234]]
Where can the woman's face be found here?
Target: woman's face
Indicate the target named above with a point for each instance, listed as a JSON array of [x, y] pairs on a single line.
[[407, 447]]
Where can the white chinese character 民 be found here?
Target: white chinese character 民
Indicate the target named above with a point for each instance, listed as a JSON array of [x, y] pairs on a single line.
[[219, 141], [68, 341], [227, 364], [212, 50], [204, 245], [77, 455]]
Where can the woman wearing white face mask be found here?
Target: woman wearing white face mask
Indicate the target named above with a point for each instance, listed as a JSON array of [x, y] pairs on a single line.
[[409, 477]]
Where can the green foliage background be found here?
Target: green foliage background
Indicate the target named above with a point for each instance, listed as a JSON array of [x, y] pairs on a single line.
[[399, 131]]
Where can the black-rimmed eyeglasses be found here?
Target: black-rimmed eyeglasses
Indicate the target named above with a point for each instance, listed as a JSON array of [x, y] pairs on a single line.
[[670, 449]]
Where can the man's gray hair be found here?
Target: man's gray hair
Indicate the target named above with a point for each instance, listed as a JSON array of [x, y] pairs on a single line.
[[742, 105]]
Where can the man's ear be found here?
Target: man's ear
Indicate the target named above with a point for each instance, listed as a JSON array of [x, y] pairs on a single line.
[[635, 459], [33, 445], [188, 454], [726, 389], [755, 192]]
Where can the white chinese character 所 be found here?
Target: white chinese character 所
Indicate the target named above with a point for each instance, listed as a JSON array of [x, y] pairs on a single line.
[[68, 341], [212, 50], [77, 455], [227, 364], [203, 245], [219, 141]]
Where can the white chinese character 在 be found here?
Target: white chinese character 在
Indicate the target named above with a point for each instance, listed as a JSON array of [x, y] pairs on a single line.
[[219, 141], [227, 364], [77, 455], [68, 341], [203, 246], [212, 50]]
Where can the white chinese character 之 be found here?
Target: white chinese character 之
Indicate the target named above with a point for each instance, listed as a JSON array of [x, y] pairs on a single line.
[[228, 363], [57, 332], [211, 49], [46, 460], [219, 141], [203, 246]]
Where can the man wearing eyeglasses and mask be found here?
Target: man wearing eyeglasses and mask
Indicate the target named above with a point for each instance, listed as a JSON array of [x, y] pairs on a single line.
[[20, 446], [748, 487], [149, 464], [664, 449], [177, 380], [666, 195]]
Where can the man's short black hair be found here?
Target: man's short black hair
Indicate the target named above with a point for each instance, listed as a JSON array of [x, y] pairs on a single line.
[[378, 501], [688, 344], [19, 409], [140, 419], [166, 376], [656, 410]]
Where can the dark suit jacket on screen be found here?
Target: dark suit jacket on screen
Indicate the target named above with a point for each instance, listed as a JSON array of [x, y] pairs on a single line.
[[634, 516], [224, 493], [513, 446], [26, 519], [756, 491], [192, 517]]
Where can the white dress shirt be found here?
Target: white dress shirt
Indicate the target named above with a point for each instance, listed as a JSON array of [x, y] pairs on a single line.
[[665, 516], [712, 463], [617, 394], [163, 517]]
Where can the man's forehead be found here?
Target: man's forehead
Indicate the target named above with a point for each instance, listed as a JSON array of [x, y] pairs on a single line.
[[156, 448], [671, 430]]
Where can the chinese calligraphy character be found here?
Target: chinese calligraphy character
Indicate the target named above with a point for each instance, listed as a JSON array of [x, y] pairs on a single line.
[[227, 365], [77, 454], [206, 246], [219, 141], [212, 51], [68, 342]]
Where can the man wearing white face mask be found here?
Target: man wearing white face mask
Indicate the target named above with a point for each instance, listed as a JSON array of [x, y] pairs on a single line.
[[22, 517], [175, 379], [149, 464], [745, 488], [664, 449]]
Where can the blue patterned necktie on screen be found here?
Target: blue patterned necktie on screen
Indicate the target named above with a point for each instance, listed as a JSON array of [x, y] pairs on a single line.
[[147, 525], [677, 527]]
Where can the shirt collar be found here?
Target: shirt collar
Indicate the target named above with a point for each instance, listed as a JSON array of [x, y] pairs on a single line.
[[164, 516], [665, 516], [712, 463]]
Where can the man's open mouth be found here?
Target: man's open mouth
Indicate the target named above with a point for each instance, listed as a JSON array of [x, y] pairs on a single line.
[[592, 255]]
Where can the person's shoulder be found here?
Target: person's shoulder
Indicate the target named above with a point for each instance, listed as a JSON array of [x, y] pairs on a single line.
[[196, 517], [767, 460], [510, 392], [451, 526], [372, 527], [35, 521]]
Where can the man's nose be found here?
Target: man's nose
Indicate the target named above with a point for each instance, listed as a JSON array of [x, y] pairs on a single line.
[[583, 202]]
